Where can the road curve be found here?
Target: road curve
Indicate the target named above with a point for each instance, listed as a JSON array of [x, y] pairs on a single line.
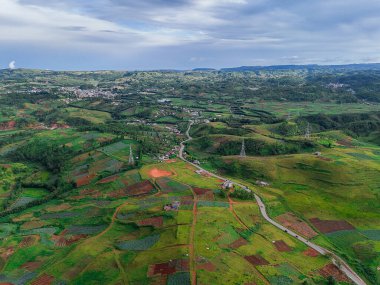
[[344, 267]]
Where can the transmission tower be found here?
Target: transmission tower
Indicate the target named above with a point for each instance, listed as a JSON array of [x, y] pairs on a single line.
[[308, 131], [242, 152], [131, 159], [289, 117]]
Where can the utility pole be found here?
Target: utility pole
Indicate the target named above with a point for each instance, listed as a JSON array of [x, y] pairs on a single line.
[[308, 131], [242, 152], [131, 160]]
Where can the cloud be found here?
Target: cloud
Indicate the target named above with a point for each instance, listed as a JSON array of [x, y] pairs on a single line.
[[165, 34], [12, 64]]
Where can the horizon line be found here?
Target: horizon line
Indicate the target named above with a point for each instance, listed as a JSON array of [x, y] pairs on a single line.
[[191, 69]]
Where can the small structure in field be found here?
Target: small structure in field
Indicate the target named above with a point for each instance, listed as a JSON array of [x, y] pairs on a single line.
[[197, 162], [173, 206], [317, 153], [262, 183], [227, 184]]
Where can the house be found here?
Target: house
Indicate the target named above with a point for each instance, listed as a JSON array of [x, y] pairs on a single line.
[[262, 183], [317, 153], [173, 206], [227, 184]]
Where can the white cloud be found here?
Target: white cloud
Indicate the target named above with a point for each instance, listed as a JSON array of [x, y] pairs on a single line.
[[53, 27], [223, 32], [12, 64]]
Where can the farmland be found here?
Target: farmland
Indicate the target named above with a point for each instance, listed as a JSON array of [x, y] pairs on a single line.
[[92, 190]]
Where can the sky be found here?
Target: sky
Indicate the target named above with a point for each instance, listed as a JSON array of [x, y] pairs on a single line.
[[185, 34]]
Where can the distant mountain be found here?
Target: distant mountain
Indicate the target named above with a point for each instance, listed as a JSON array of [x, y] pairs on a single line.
[[204, 69], [369, 66]]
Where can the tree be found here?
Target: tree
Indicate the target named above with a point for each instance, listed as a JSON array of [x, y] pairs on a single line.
[[331, 280]]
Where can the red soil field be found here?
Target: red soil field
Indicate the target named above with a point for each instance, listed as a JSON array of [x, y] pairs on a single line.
[[311, 252], [256, 260], [156, 173], [168, 267], [204, 194], [91, 192], [32, 225], [345, 142], [332, 270], [7, 253], [238, 243], [155, 222], [85, 180], [6, 166], [170, 160], [32, 265], [7, 126], [108, 179], [291, 221], [140, 188], [44, 279], [28, 241], [117, 193], [282, 246], [330, 226], [61, 241], [208, 266], [161, 269]]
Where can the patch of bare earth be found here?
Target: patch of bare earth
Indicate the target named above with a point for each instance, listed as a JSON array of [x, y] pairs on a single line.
[[44, 279], [330, 226], [332, 270], [156, 222], [282, 246], [238, 243], [311, 252], [256, 260], [291, 221], [156, 173]]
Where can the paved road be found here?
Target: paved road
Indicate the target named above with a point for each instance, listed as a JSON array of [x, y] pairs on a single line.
[[344, 267]]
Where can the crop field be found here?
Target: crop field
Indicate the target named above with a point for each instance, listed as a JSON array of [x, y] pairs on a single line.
[[168, 185], [254, 251], [131, 233], [89, 115], [74, 210], [182, 173], [334, 195], [301, 109]]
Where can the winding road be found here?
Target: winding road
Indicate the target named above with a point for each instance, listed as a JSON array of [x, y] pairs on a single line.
[[344, 267]]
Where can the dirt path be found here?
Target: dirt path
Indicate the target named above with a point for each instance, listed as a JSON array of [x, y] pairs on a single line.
[[193, 269], [119, 265], [232, 210], [114, 216]]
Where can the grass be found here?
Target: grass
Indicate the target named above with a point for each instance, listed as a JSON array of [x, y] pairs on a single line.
[[183, 173], [35, 192], [140, 244], [96, 117], [302, 109]]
